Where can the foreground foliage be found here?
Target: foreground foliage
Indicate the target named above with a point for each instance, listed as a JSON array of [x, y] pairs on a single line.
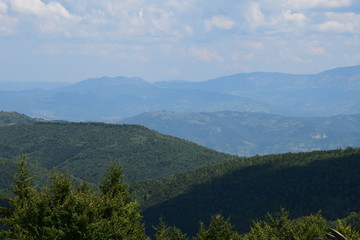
[[63, 211], [276, 226]]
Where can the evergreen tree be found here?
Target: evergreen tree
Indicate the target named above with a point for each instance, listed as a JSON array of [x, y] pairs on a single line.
[[62, 211], [275, 227], [164, 232], [354, 220], [119, 216], [310, 227], [218, 229], [347, 230], [19, 219]]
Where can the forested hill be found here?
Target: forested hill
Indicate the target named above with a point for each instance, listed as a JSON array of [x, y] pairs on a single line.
[[85, 149], [8, 118], [246, 189]]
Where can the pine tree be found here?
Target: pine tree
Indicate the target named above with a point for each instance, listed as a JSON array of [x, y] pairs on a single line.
[[119, 216], [164, 232], [62, 211], [19, 219], [218, 229]]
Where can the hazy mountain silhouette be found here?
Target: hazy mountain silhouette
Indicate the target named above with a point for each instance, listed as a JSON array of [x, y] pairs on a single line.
[[328, 93]]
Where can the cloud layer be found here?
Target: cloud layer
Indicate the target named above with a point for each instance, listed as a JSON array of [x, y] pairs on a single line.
[[155, 37]]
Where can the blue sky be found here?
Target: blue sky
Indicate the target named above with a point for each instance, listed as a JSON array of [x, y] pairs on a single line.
[[193, 40]]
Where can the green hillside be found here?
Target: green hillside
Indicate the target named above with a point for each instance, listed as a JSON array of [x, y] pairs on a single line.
[[246, 189], [85, 149], [9, 118]]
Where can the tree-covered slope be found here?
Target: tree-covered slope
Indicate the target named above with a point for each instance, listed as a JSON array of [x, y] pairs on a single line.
[[84, 149], [248, 134], [8, 118], [246, 189]]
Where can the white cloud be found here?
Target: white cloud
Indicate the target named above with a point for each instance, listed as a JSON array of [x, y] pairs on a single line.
[[254, 32], [296, 59], [205, 54], [316, 51], [221, 22], [254, 16], [7, 25], [49, 18], [38, 8], [255, 45], [297, 18], [278, 22], [134, 20], [189, 30], [110, 19], [306, 4], [340, 23], [3, 7], [173, 71], [319, 136], [333, 26], [177, 5]]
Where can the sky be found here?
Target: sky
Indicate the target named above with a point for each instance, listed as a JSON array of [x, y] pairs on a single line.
[[160, 40]]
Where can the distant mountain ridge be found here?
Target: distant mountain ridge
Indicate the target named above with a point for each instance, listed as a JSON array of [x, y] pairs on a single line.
[[23, 86], [248, 134], [328, 93]]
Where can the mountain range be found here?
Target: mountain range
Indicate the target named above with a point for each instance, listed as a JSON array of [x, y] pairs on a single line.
[[328, 93], [248, 134]]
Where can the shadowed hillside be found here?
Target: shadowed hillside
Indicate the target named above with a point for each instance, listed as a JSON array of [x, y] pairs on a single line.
[[246, 189]]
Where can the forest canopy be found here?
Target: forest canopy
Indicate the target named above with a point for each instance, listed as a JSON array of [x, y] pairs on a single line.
[[64, 210]]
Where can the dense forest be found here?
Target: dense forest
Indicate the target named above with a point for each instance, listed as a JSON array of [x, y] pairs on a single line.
[[9, 118], [67, 211], [84, 149], [247, 188], [174, 185]]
